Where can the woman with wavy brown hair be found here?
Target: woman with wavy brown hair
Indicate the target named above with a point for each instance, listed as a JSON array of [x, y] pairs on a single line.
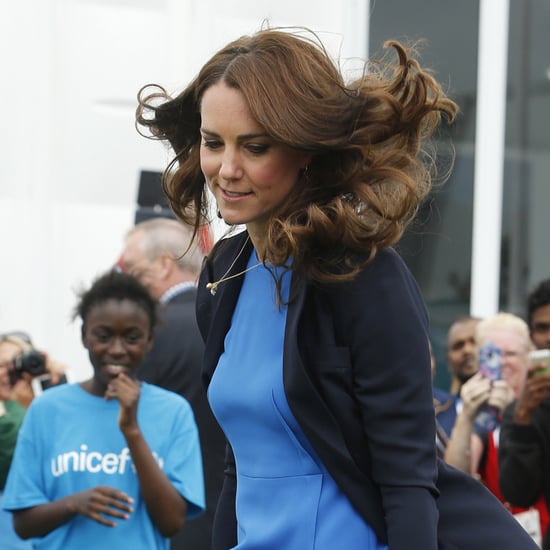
[[317, 360]]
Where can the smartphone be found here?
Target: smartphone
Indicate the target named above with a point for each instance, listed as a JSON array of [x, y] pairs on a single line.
[[540, 358], [490, 367], [490, 361], [43, 382]]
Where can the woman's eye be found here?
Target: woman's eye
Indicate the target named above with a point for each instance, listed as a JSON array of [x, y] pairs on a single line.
[[102, 337], [257, 148], [211, 143], [133, 338]]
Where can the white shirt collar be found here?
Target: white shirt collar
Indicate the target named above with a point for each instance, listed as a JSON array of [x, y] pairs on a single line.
[[173, 291]]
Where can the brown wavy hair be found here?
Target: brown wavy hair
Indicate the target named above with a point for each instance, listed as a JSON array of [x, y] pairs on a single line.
[[370, 166]]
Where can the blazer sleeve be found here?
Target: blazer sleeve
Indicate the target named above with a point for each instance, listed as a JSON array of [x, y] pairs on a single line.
[[382, 320]]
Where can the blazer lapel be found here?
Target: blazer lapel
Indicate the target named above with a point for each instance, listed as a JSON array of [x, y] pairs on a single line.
[[223, 303]]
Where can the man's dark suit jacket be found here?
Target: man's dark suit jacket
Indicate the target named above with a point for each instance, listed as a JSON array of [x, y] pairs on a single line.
[[445, 409], [174, 363], [356, 373]]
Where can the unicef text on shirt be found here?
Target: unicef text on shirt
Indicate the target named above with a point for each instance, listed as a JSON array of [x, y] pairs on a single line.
[[95, 462]]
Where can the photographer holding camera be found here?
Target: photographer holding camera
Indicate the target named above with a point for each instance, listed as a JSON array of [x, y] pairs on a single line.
[[20, 364], [26, 366]]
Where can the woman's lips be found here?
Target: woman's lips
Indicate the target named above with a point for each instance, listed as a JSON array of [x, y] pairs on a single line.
[[233, 196]]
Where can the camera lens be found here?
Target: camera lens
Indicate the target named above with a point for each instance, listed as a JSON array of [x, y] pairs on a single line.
[[30, 361]]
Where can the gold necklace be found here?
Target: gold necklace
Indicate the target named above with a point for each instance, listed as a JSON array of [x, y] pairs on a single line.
[[213, 287]]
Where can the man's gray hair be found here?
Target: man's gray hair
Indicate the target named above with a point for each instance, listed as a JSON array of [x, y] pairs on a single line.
[[169, 236]]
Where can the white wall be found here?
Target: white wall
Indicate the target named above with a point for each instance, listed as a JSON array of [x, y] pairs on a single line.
[[70, 156]]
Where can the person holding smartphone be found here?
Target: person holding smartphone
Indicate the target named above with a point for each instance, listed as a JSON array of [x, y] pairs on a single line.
[[503, 346], [524, 451], [123, 467]]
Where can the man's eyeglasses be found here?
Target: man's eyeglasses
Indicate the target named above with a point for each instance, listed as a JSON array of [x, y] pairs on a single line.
[[19, 334]]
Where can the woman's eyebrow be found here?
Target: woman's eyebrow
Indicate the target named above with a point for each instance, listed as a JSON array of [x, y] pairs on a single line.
[[242, 137]]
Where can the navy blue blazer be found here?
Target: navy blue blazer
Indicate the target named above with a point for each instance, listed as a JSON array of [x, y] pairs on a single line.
[[356, 372]]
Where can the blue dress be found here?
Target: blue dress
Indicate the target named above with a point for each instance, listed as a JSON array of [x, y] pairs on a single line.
[[285, 496]]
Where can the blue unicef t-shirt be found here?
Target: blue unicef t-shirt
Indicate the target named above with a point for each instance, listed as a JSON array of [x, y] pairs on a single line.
[[70, 442]]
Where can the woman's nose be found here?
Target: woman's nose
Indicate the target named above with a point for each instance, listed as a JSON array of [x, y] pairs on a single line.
[[230, 168]]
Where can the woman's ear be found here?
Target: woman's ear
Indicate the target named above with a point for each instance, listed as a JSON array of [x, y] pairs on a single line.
[[308, 157], [149, 344], [83, 335]]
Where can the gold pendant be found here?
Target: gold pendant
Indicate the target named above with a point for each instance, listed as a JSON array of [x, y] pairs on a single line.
[[212, 287]]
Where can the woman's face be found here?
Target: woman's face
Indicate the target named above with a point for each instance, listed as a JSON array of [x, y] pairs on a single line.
[[8, 352], [514, 352], [117, 334], [248, 172]]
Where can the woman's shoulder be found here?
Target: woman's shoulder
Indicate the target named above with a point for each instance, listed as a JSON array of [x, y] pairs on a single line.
[[387, 259], [384, 287], [384, 271]]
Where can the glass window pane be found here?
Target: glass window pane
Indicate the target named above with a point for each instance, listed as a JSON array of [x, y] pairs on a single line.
[[526, 199], [437, 247]]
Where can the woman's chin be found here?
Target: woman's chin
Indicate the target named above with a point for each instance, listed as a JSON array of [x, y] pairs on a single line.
[[230, 219]]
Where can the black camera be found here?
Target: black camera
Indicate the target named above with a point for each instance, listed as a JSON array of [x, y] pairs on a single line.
[[30, 361]]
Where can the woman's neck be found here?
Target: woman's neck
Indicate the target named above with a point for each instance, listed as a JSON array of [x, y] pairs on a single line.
[[258, 237]]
